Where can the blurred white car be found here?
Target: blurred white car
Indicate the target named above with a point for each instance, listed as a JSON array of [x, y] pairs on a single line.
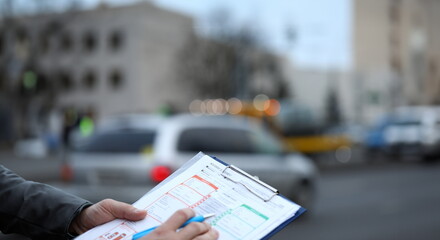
[[115, 162], [414, 131], [240, 141], [31, 148]]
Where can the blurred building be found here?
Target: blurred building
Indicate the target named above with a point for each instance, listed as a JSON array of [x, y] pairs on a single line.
[[102, 61], [396, 47], [313, 88]]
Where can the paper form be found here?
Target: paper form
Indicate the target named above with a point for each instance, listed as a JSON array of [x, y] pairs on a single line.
[[239, 213]]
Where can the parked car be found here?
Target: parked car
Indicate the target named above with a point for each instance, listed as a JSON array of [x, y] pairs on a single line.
[[240, 141], [374, 141], [34, 148], [115, 162], [414, 131]]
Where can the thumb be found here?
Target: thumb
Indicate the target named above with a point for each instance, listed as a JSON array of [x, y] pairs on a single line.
[[124, 210], [135, 214]]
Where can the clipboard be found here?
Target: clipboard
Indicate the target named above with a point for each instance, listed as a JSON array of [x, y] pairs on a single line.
[[198, 156], [301, 211], [204, 183], [251, 189]]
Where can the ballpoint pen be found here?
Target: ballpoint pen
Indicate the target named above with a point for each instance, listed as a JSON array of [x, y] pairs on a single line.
[[200, 218]]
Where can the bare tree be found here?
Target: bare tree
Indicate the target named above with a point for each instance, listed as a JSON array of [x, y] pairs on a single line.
[[226, 63], [208, 66], [333, 111]]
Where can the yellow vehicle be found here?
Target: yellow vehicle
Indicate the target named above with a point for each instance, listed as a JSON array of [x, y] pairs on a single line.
[[317, 144], [299, 132]]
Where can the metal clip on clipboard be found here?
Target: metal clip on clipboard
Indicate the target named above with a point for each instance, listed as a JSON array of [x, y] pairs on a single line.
[[245, 174]]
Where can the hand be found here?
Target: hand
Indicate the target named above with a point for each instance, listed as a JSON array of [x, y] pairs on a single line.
[[194, 230], [102, 212]]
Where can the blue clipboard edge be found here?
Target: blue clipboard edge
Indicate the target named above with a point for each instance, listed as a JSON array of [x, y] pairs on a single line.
[[218, 160], [285, 223], [298, 213]]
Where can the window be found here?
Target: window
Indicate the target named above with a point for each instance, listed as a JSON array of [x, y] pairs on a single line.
[[45, 36], [217, 140], [22, 43], [42, 82], [89, 41], [2, 82], [65, 81], [115, 40], [89, 79], [115, 79], [44, 42], [66, 43], [130, 141], [21, 35], [2, 42], [267, 143]]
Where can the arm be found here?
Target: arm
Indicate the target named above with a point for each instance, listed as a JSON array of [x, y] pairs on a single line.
[[43, 212], [36, 210]]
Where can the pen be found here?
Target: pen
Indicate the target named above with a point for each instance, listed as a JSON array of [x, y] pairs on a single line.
[[200, 218]]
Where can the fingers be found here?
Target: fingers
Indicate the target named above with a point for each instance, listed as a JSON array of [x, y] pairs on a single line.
[[122, 210], [210, 235], [102, 212], [177, 219], [135, 214], [193, 230]]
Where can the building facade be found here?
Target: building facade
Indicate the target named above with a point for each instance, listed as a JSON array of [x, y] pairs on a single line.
[[396, 46], [106, 61]]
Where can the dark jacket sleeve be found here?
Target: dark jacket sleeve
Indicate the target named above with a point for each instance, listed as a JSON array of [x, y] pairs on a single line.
[[35, 210]]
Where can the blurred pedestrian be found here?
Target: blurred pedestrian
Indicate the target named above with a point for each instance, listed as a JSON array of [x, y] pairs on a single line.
[[40, 211], [70, 122]]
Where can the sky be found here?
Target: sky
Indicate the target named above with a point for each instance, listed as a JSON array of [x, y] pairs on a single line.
[[322, 27]]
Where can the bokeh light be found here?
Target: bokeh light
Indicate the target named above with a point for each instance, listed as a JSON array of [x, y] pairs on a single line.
[[29, 80], [195, 107], [235, 106], [86, 126], [272, 107], [259, 102]]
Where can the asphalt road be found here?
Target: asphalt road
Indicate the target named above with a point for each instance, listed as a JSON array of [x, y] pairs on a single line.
[[391, 201], [376, 201]]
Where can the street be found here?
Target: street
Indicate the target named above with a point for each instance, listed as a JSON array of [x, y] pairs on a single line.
[[395, 201], [364, 201]]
